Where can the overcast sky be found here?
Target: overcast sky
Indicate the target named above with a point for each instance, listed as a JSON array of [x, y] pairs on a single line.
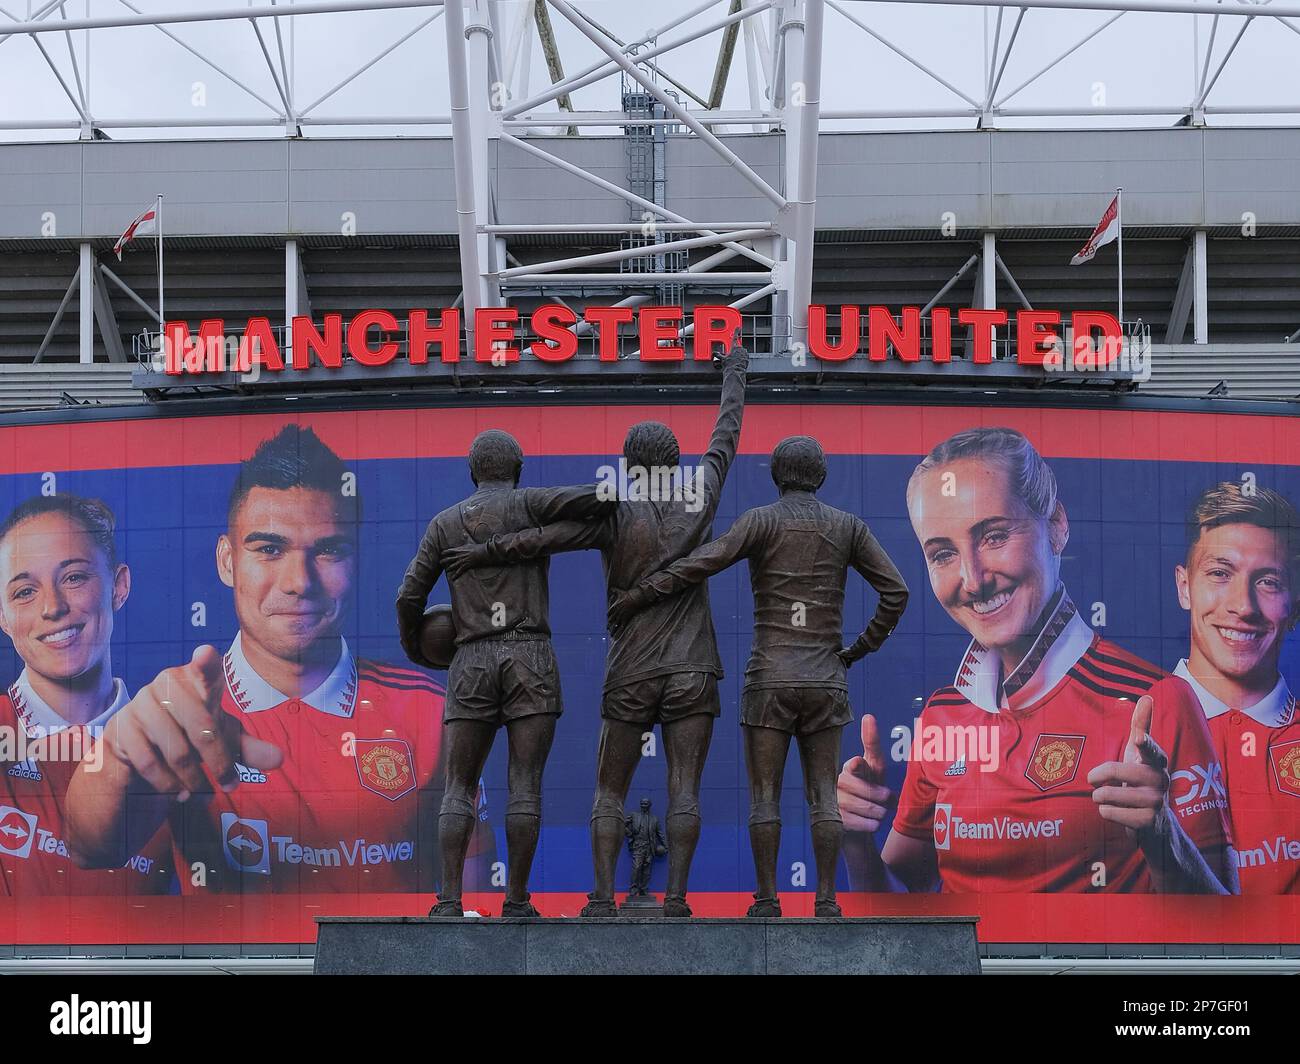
[[1142, 60]]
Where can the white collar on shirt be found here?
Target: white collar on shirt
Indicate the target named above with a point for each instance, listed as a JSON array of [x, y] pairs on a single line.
[[39, 718], [1273, 710], [336, 695], [1062, 640]]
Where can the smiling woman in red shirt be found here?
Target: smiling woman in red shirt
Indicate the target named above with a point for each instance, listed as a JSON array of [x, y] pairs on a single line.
[[61, 584], [1069, 742]]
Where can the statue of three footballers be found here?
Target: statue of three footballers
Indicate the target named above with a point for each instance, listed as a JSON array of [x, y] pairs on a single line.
[[663, 664]]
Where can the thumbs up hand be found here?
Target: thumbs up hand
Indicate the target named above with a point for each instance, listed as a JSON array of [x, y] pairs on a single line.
[[865, 800], [1134, 792]]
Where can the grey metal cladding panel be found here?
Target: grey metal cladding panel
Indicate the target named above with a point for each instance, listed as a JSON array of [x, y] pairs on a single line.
[[1277, 143], [34, 179], [1252, 170], [391, 186], [703, 185], [1063, 178], [902, 181], [943, 147], [895, 196], [716, 193], [208, 187], [532, 190]]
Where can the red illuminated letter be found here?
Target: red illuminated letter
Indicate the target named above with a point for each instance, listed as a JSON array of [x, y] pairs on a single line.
[[306, 341], [982, 323], [494, 329], [940, 335], [883, 330], [206, 354], [359, 345], [850, 333], [606, 320], [258, 347], [1082, 322], [552, 322], [714, 325], [446, 334], [1035, 334], [657, 324]]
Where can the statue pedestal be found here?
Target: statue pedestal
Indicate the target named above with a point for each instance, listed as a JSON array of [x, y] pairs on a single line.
[[643, 905], [623, 945]]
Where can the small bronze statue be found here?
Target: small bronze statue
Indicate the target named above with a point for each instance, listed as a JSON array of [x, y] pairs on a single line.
[[663, 667], [503, 673], [645, 842], [799, 552]]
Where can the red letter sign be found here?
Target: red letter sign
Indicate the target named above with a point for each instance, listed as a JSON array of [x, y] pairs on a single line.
[[552, 322]]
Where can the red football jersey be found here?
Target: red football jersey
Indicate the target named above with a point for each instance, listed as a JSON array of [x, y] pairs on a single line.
[[1259, 749], [34, 775], [1031, 825], [353, 806]]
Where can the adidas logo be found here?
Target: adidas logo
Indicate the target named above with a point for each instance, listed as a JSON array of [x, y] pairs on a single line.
[[957, 768], [25, 770]]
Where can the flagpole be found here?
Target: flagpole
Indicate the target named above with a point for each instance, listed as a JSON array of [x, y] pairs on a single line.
[[162, 317], [1119, 221]]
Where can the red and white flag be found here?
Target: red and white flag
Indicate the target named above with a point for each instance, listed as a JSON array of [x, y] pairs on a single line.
[[146, 223], [1106, 231]]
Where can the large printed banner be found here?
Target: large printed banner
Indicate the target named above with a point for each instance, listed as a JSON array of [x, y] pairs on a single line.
[[1055, 580]]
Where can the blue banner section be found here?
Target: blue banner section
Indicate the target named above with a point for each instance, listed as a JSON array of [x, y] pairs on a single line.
[[1127, 535]]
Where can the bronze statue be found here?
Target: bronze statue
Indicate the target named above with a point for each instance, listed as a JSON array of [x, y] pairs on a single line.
[[799, 551], [645, 842], [663, 666], [503, 672]]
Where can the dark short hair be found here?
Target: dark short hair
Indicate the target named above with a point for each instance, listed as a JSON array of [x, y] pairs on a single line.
[[1228, 504], [495, 455], [798, 463], [93, 515], [651, 443], [295, 457]]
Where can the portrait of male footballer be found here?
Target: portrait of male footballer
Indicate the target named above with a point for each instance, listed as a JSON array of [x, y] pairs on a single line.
[[1240, 586], [287, 763]]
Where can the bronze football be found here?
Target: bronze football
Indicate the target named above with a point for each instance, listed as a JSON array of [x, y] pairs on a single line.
[[438, 636]]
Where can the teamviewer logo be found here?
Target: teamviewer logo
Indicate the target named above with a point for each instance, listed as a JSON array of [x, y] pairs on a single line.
[[17, 830], [245, 844], [942, 825]]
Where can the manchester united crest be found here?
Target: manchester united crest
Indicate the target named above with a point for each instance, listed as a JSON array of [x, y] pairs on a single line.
[[1055, 760], [1286, 767], [385, 766]]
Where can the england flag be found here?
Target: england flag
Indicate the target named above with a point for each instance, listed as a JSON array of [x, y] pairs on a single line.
[[1106, 231], [146, 223]]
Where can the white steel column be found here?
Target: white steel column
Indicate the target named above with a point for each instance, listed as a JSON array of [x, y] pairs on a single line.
[[462, 141], [290, 283], [753, 72], [788, 44], [296, 299], [478, 33], [989, 273], [807, 95], [1201, 302], [86, 321]]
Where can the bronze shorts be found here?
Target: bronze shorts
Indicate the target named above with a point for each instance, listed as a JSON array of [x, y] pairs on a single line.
[[500, 680], [663, 699], [797, 710]]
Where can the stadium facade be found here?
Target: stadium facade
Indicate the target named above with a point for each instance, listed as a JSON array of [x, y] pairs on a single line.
[[977, 218], [654, 202]]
